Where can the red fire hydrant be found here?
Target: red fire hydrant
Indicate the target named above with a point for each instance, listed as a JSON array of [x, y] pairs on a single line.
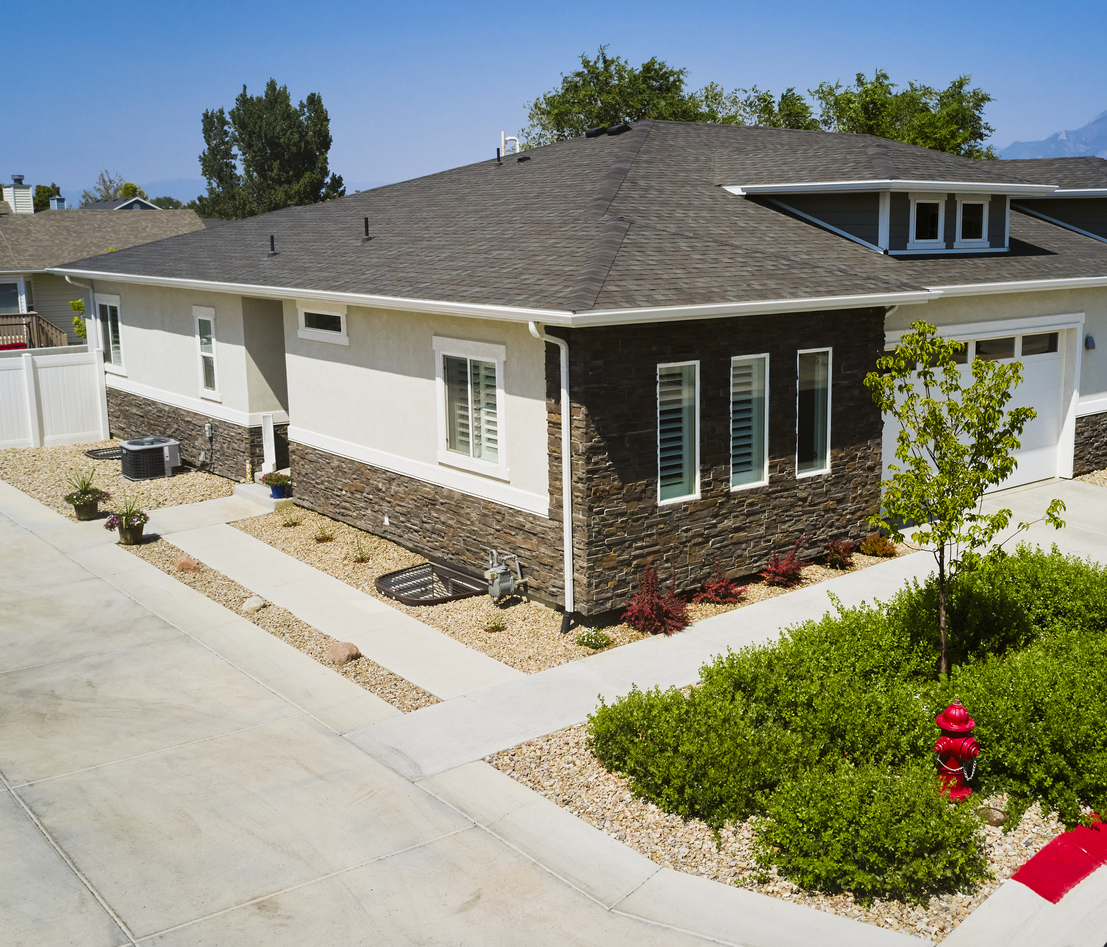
[[956, 749]]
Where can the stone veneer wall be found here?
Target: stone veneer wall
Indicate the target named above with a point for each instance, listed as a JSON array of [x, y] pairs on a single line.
[[619, 524], [1091, 444], [435, 521], [232, 445]]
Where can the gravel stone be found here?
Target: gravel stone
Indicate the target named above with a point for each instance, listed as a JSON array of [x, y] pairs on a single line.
[[187, 564], [399, 692], [41, 472], [342, 652], [562, 768], [530, 638], [255, 603]]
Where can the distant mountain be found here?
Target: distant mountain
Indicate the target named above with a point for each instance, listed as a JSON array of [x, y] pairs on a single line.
[[1089, 140]]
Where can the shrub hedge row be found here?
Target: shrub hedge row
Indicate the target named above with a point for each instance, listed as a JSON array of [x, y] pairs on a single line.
[[828, 733]]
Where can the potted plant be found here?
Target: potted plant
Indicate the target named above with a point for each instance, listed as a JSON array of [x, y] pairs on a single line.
[[84, 496], [129, 521], [277, 484]]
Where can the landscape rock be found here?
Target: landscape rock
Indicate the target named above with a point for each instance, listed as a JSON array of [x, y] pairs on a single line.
[[255, 603], [342, 652], [187, 564]]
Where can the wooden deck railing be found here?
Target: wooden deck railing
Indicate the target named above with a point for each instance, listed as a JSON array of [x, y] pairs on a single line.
[[29, 330]]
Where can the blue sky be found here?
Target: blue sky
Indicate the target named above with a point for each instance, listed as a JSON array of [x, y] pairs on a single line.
[[414, 87]]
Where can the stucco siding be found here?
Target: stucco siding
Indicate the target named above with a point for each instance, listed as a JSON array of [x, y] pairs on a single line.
[[379, 392]]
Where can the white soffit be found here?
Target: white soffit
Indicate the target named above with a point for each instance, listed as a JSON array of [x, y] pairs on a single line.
[[890, 184]]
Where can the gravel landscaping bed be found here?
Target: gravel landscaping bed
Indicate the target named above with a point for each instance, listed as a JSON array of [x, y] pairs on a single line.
[[1098, 477], [561, 768], [41, 472], [530, 639], [399, 692]]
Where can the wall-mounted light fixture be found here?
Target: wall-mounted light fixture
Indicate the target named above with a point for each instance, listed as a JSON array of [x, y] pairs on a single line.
[[1089, 342]]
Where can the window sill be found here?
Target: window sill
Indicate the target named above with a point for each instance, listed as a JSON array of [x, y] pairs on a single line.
[[691, 498], [972, 245], [812, 473], [211, 395], [927, 245], [114, 369], [321, 335], [468, 464], [736, 488]]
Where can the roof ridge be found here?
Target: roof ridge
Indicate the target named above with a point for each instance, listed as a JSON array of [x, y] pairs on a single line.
[[599, 260], [616, 174]]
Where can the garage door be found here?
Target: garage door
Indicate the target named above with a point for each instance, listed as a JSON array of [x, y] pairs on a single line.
[[1041, 388]]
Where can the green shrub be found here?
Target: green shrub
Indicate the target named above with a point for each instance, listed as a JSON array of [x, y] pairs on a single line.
[[593, 638], [870, 832]]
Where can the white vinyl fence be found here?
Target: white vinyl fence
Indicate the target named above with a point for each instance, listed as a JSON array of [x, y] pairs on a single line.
[[48, 398]]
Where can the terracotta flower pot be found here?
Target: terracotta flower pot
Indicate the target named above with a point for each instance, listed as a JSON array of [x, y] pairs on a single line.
[[131, 535], [86, 511]]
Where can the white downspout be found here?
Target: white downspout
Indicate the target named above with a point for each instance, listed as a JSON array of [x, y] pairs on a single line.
[[91, 323], [538, 332]]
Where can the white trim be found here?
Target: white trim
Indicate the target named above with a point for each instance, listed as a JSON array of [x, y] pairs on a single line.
[[944, 249], [209, 409], [1080, 192], [884, 220], [826, 226], [1024, 325], [695, 495], [549, 317], [1007, 224], [891, 184], [304, 306], [109, 299], [1060, 223], [939, 243], [208, 313], [1096, 405], [1020, 286], [481, 487], [959, 242], [764, 480], [829, 394], [485, 352]]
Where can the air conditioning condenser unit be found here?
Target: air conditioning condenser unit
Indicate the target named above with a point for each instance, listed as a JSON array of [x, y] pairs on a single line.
[[147, 458]]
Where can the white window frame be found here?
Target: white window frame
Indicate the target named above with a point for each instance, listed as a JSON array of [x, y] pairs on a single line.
[[695, 494], [829, 413], [106, 299], [960, 243], [322, 335], [764, 479], [927, 198], [208, 313], [485, 352], [20, 291]]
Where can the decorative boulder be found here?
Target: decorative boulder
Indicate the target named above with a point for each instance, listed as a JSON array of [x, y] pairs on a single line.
[[255, 603], [342, 652], [187, 564]]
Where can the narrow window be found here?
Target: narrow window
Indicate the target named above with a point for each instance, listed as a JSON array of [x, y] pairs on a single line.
[[926, 220], [676, 431], [472, 426], [9, 297], [813, 412], [972, 221], [1039, 344], [109, 332], [748, 420], [325, 322], [206, 333], [991, 350]]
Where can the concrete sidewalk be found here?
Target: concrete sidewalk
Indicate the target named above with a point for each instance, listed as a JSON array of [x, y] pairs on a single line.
[[173, 775]]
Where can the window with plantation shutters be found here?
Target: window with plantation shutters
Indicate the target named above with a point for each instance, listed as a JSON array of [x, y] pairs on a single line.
[[471, 406], [749, 420], [677, 435]]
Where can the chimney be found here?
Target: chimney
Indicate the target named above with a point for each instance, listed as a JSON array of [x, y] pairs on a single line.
[[18, 195]]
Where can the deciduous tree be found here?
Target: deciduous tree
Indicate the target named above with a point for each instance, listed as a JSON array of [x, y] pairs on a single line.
[[955, 441]]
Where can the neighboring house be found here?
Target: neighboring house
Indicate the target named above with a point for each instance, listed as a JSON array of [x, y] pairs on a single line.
[[31, 244], [122, 203], [716, 293]]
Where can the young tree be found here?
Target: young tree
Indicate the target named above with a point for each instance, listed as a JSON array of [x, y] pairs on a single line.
[[950, 120], [106, 187], [955, 441], [266, 154], [167, 203]]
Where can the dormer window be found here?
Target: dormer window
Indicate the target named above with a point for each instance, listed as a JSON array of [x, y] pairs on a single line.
[[927, 223], [972, 222]]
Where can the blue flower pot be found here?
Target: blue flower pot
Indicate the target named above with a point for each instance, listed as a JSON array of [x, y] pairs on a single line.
[[279, 490]]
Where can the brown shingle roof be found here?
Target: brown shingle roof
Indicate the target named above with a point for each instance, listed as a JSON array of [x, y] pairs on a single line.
[[54, 237]]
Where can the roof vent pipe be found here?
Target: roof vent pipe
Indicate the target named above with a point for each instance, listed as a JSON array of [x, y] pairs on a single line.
[[504, 139], [538, 332], [497, 156], [17, 180], [366, 238]]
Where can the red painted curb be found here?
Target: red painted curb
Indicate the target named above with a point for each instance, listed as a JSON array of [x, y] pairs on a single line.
[[1065, 862]]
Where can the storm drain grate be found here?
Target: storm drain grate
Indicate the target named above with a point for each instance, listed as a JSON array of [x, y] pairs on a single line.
[[429, 584], [105, 453]]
